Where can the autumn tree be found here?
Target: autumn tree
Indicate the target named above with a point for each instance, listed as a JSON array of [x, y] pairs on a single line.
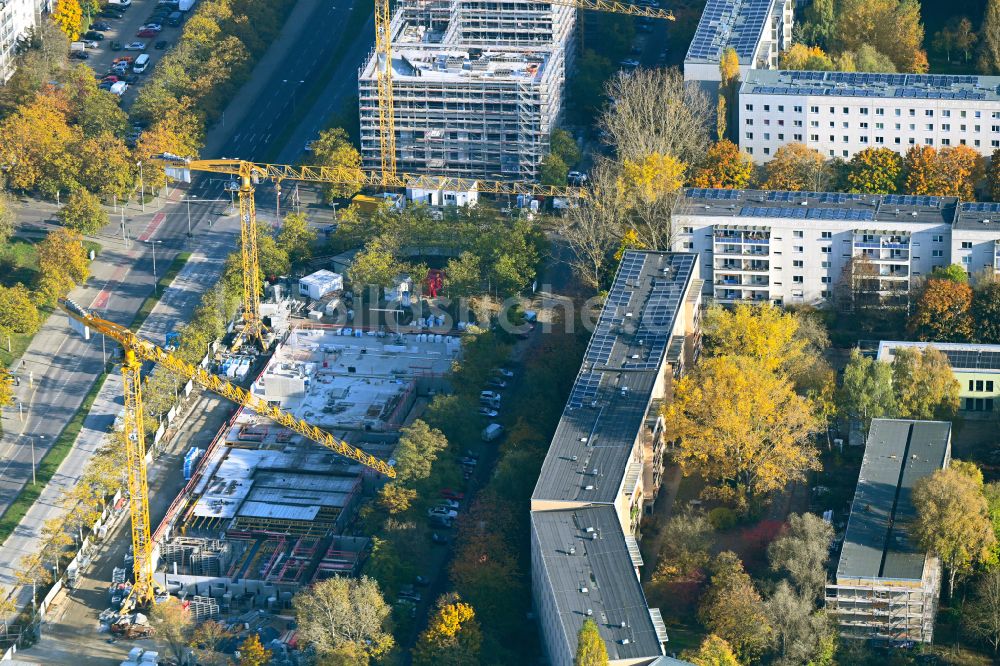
[[892, 27], [924, 384], [798, 631], [744, 430], [725, 166], [729, 66], [173, 129], [252, 653], [207, 641], [333, 149], [452, 637], [733, 610], [956, 36], [795, 166], [343, 612], [595, 224], [173, 623], [651, 187], [640, 123], [982, 617], [6, 387], [54, 540], [686, 539], [951, 171], [864, 59], [7, 218], [590, 647], [875, 170], [37, 143], [18, 312], [802, 57], [989, 40], [953, 520], [396, 498], [714, 651], [107, 166], [985, 311], [32, 570], [296, 237], [941, 312], [62, 263], [866, 392], [993, 175], [83, 212], [803, 550], [68, 15]]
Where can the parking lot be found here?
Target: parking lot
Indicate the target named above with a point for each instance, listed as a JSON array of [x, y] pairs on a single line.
[[124, 31]]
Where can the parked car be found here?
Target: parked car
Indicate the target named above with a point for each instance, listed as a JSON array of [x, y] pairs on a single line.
[[135, 46], [160, 45], [489, 395], [93, 35], [175, 18], [496, 382], [80, 55], [449, 504], [116, 46], [630, 63], [152, 26], [407, 592], [119, 88], [504, 372], [442, 511], [109, 12], [448, 493], [442, 521], [576, 179], [100, 26], [468, 462], [106, 85], [110, 77], [488, 413]]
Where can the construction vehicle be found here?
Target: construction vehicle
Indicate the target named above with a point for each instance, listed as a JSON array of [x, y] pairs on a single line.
[[137, 350]]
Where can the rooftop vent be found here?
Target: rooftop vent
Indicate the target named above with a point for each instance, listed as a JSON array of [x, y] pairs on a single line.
[[590, 612], [625, 641], [584, 590], [589, 530], [583, 439], [588, 487], [572, 550]]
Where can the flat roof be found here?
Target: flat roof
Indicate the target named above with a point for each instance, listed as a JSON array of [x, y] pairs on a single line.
[[729, 23], [898, 453], [891, 210], [978, 216], [589, 453], [584, 549], [961, 356], [863, 84]]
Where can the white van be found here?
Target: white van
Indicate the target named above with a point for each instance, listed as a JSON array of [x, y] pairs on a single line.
[[140, 64]]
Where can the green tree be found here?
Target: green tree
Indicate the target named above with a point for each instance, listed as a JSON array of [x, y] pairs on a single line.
[[252, 653], [942, 312], [876, 170], [553, 170], [867, 392], [297, 238], [83, 212], [463, 275], [803, 550], [395, 498], [714, 651], [418, 448], [953, 519], [733, 610], [375, 265], [343, 612], [333, 149], [986, 312], [590, 648], [18, 312], [989, 51], [452, 637], [820, 23], [799, 632], [563, 145], [953, 272], [924, 384], [687, 537]]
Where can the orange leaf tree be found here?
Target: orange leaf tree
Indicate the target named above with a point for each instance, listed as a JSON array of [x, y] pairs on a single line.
[[726, 166], [795, 166], [942, 312]]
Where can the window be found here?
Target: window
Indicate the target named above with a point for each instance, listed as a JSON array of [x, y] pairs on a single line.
[[846, 110], [937, 253], [879, 125], [896, 140], [961, 113], [826, 234], [797, 109], [864, 110], [945, 142], [767, 136], [813, 123], [846, 139], [913, 112], [946, 127], [972, 385], [826, 250], [966, 245], [797, 137], [797, 263], [797, 279], [845, 125], [825, 279], [938, 239], [946, 114], [767, 151], [825, 264], [880, 139], [899, 112], [781, 108], [688, 230], [898, 125], [688, 245], [781, 137], [929, 112], [989, 385], [767, 107], [796, 234], [966, 259], [962, 127], [995, 128], [864, 139], [879, 111], [797, 248], [929, 127], [825, 294], [814, 137], [813, 109], [749, 107], [749, 121], [796, 123], [975, 128], [864, 125], [749, 135]]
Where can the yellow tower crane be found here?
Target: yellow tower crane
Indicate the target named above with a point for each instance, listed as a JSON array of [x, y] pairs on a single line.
[[250, 174], [138, 350], [383, 64]]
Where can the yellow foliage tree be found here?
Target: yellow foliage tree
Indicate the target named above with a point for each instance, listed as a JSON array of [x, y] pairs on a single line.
[[334, 149], [177, 132], [452, 637], [795, 166], [762, 332], [653, 177], [62, 262], [951, 171], [67, 15], [802, 57], [729, 66], [714, 651], [892, 27], [743, 428], [38, 145], [726, 167]]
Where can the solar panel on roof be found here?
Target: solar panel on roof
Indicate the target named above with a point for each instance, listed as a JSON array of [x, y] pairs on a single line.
[[979, 207], [911, 200]]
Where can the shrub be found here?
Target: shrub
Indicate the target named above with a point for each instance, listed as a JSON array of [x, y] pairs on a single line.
[[722, 518]]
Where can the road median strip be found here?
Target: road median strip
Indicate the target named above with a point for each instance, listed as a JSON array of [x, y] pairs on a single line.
[[161, 286]]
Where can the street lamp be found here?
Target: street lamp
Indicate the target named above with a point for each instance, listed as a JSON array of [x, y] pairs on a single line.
[[32, 439], [294, 88], [142, 188], [153, 244], [190, 197]]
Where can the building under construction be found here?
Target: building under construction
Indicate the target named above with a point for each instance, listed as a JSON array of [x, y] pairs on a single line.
[[886, 587], [477, 87]]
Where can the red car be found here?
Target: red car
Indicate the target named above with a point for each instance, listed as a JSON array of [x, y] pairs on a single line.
[[147, 33], [110, 79], [448, 493]]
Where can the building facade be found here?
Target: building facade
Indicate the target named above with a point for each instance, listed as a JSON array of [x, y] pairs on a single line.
[[477, 87], [17, 18], [976, 369], [605, 462], [842, 113], [801, 247], [758, 30], [885, 587]]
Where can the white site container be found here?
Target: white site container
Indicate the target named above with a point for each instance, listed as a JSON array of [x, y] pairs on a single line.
[[321, 283]]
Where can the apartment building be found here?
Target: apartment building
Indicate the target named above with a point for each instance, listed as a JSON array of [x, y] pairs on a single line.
[[976, 369], [841, 113], [758, 30], [886, 588], [796, 247], [478, 87], [17, 18], [606, 459]]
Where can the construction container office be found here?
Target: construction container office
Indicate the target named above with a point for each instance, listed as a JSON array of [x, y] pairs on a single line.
[[478, 87]]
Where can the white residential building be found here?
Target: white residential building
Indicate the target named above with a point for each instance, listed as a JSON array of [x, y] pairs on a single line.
[[17, 17], [793, 247], [477, 87], [841, 113], [757, 29]]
